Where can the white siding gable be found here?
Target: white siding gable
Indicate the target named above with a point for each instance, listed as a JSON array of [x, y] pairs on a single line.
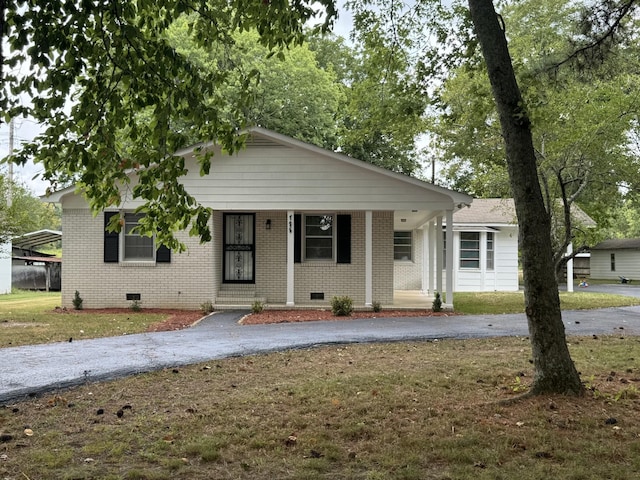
[[285, 178]]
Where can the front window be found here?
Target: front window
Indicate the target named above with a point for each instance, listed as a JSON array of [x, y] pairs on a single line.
[[318, 237], [613, 262], [402, 246], [469, 249], [137, 247]]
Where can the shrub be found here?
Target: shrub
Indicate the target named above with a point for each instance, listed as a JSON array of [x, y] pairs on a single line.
[[206, 307], [436, 306], [342, 306], [77, 301], [135, 306], [377, 307], [257, 306]]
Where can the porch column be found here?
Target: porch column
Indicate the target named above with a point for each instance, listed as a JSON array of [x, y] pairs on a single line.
[[439, 248], [449, 292], [290, 258], [570, 268], [428, 262], [368, 258]]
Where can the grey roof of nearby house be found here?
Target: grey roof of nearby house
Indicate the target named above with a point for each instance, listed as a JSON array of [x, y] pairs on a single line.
[[495, 211], [618, 244], [487, 211]]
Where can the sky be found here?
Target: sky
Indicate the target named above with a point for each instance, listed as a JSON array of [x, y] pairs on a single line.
[[26, 129]]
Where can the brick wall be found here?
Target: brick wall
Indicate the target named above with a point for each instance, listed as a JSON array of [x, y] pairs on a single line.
[[335, 279], [194, 277], [408, 274], [271, 256], [383, 258], [186, 282]]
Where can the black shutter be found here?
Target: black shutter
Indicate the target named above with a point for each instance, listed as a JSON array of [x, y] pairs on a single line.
[[343, 239], [297, 238], [163, 255], [111, 240]]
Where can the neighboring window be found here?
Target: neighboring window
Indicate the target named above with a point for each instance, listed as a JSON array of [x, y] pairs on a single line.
[[136, 247], [613, 262], [318, 237], [490, 247], [469, 249], [402, 246]]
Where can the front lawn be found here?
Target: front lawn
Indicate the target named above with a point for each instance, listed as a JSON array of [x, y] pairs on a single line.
[[28, 317], [485, 303], [427, 410]]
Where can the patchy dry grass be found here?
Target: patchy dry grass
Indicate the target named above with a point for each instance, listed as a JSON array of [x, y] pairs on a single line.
[[28, 318], [427, 410]]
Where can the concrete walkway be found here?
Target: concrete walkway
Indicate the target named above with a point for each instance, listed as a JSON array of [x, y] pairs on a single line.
[[37, 369]]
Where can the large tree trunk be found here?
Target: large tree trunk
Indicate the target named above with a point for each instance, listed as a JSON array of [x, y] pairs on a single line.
[[554, 369]]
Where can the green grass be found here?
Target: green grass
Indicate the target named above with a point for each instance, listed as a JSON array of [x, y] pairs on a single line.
[[28, 318], [427, 410], [484, 303]]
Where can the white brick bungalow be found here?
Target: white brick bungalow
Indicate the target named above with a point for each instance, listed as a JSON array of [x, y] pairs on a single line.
[[293, 225]]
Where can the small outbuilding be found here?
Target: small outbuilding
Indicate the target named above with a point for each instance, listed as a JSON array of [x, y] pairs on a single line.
[[616, 259], [34, 270]]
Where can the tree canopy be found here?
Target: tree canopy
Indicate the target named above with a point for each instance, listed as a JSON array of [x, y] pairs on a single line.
[[581, 122], [87, 70]]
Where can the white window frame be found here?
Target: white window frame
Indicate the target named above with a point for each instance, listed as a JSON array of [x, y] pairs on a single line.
[[333, 216], [491, 252], [123, 241], [410, 245], [475, 259]]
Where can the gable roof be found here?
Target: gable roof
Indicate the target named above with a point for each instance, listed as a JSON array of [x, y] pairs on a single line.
[[277, 172], [618, 244]]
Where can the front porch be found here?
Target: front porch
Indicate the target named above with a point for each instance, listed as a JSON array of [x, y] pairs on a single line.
[[402, 300]]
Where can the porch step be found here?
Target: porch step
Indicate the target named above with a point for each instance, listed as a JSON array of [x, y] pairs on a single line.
[[234, 296]]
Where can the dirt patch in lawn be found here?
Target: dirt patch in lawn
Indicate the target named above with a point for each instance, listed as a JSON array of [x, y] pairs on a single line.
[[8, 324], [175, 319]]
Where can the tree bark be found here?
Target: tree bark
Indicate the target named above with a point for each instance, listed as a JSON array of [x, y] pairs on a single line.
[[554, 369]]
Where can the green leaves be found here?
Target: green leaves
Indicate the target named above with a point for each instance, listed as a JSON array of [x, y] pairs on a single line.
[[115, 96]]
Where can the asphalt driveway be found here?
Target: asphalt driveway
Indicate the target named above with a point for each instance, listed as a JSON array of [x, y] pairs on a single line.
[[37, 369]]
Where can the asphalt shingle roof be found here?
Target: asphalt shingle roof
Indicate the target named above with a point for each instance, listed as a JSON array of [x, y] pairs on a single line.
[[618, 244], [490, 211]]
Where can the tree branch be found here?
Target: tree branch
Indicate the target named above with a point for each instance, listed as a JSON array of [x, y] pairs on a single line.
[[621, 12]]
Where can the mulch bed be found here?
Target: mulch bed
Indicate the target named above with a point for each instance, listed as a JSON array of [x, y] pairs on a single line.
[[179, 319]]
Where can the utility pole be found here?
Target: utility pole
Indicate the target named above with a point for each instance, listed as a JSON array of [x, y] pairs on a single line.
[[10, 182]]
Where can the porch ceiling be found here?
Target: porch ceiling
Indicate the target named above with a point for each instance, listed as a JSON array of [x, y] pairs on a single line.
[[412, 219]]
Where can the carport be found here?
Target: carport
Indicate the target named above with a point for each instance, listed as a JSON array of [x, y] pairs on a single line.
[[31, 269]]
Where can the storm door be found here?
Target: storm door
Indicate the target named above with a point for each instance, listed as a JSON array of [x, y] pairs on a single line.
[[239, 247]]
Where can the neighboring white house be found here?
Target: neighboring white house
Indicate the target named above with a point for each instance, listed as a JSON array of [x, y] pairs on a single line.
[[485, 250], [292, 225], [615, 258], [5, 268]]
